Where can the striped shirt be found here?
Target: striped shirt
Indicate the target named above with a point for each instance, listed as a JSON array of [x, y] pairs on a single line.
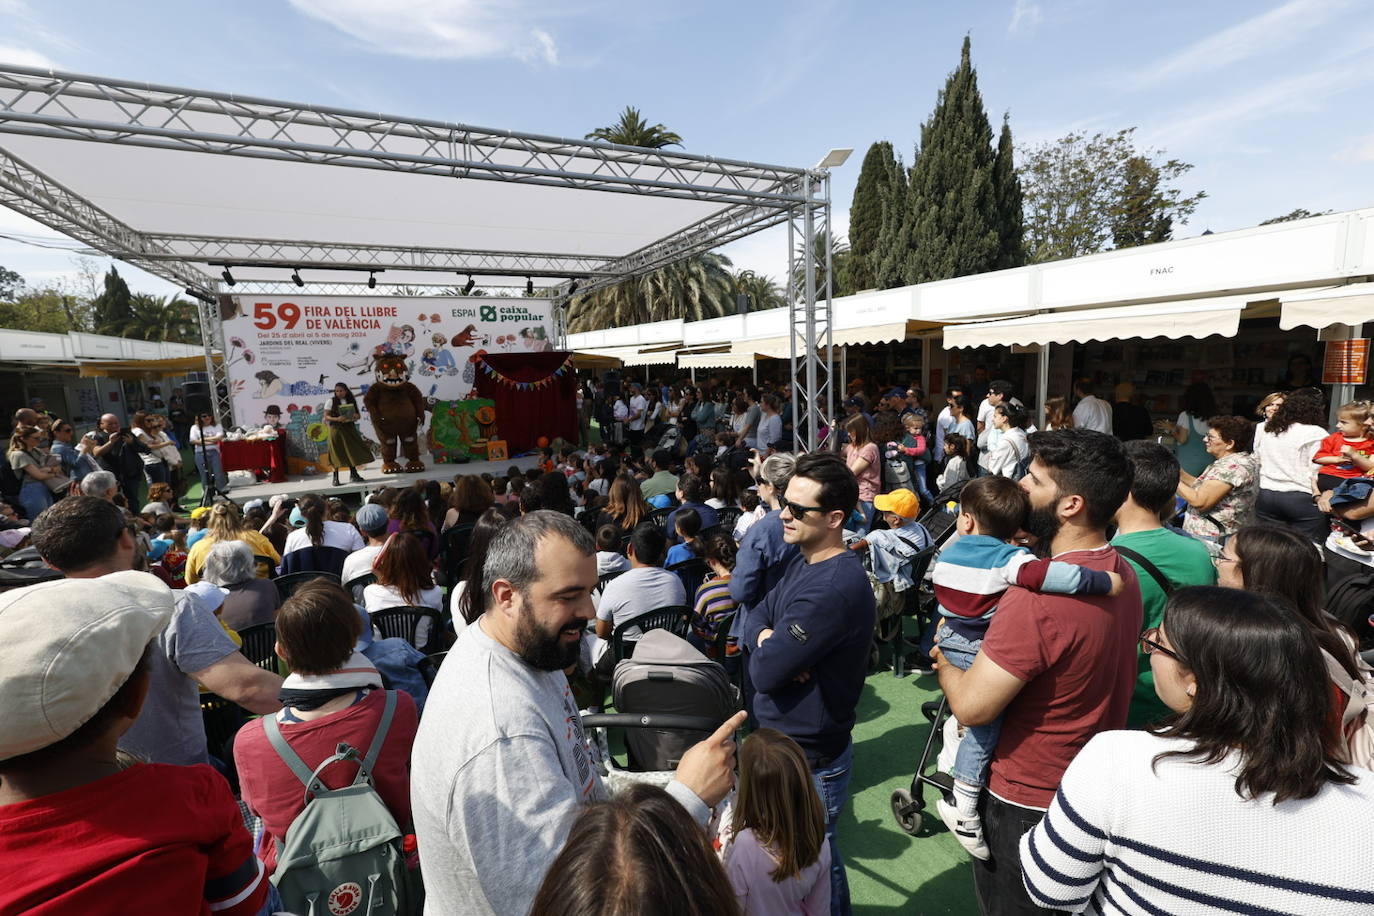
[[713, 606], [1123, 838]]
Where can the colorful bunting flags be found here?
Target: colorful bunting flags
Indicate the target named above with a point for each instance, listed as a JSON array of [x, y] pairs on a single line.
[[526, 386]]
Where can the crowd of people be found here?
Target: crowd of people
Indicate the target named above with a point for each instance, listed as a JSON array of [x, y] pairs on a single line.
[[1116, 625]]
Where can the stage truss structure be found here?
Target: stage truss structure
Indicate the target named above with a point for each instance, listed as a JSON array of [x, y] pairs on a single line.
[[90, 109]]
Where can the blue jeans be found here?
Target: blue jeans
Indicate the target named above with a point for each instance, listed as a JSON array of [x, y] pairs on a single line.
[[979, 741], [157, 473], [866, 510], [211, 456], [917, 469], [34, 497], [832, 783]]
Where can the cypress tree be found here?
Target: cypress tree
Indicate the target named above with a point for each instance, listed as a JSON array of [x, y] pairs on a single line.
[[952, 225], [866, 215], [1011, 249], [113, 308], [890, 260]]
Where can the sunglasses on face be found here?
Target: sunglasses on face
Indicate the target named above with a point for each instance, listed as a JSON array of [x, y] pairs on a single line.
[[797, 511], [1150, 644]]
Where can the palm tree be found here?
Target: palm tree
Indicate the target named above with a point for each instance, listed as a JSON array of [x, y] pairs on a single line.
[[694, 288], [839, 260], [633, 130], [762, 290], [155, 318]]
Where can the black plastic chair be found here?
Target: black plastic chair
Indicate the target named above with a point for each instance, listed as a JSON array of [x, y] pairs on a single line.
[[675, 618], [264, 566], [915, 605], [453, 553], [287, 585], [728, 517], [405, 623], [356, 585], [692, 573], [429, 667], [260, 646], [659, 517], [711, 531]]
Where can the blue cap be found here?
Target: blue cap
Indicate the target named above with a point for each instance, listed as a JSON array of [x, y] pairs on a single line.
[[372, 518]]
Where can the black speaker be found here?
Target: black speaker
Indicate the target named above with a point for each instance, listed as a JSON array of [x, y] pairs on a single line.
[[197, 398], [742, 303], [611, 379]]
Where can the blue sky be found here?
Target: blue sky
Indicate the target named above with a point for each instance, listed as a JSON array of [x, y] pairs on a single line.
[[1269, 100]]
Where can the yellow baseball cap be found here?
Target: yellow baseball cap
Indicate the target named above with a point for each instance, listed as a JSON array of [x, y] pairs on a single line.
[[899, 502]]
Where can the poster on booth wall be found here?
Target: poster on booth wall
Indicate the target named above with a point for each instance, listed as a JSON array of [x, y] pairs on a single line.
[[285, 354]]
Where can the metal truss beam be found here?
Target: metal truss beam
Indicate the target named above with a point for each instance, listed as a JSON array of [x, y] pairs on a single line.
[[357, 288], [249, 252], [812, 366], [44, 103]]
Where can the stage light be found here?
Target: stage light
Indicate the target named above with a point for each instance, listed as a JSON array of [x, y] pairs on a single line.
[[228, 277], [467, 287], [296, 276], [197, 294], [371, 280], [572, 287], [529, 286]]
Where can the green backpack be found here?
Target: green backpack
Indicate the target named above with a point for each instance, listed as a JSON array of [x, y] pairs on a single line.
[[343, 854]]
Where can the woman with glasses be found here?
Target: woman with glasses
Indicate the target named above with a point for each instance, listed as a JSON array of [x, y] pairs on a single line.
[[206, 437], [148, 431], [76, 463], [1222, 498], [1240, 802], [38, 475]]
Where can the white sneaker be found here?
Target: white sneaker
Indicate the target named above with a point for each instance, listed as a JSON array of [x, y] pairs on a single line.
[[969, 833]]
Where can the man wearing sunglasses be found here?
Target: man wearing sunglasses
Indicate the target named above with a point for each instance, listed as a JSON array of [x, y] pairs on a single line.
[[810, 638]]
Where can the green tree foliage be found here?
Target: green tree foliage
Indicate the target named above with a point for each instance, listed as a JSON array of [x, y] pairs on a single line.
[[839, 263], [156, 318], [1011, 248], [10, 284], [694, 288], [1083, 193], [47, 310], [951, 222], [762, 290], [878, 178], [112, 309], [632, 130], [892, 250], [1299, 213]]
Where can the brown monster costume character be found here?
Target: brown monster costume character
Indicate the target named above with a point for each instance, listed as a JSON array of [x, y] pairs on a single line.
[[397, 408]]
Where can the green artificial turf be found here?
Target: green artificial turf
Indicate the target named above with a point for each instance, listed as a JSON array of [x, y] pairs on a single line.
[[890, 871]]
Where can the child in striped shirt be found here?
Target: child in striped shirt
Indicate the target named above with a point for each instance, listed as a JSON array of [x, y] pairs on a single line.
[[969, 578], [714, 607]]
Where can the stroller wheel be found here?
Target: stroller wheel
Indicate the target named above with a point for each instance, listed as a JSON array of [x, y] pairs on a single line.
[[907, 810]]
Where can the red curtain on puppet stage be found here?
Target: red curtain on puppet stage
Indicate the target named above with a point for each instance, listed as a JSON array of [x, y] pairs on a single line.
[[548, 407]]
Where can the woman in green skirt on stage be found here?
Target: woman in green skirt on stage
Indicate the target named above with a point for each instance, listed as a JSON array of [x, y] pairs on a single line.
[[347, 448]]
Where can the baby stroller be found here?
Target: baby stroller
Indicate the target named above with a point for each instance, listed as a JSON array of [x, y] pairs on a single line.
[[668, 696], [907, 804]]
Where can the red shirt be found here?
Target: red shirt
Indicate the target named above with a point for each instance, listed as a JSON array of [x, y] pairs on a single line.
[[154, 838], [1331, 448], [1077, 655], [274, 793]]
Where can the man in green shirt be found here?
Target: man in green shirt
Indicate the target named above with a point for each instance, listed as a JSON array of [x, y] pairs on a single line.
[[1177, 558], [664, 480]]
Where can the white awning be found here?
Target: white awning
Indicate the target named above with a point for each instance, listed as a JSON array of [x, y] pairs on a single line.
[[634, 356], [1184, 318], [1353, 304], [725, 360]]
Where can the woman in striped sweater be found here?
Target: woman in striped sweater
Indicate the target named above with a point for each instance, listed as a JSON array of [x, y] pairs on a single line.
[[1238, 803]]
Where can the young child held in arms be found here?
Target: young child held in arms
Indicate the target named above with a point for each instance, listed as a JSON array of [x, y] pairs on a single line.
[[970, 576], [1338, 453], [777, 857]]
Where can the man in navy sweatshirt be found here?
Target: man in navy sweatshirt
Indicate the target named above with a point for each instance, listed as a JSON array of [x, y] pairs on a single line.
[[811, 638]]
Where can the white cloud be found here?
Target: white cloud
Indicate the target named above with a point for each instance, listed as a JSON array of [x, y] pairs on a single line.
[[1257, 36], [1359, 151], [444, 29], [26, 57], [1302, 92], [1025, 15]]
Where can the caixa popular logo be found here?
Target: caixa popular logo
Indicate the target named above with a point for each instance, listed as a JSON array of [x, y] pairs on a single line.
[[488, 312], [465, 313]]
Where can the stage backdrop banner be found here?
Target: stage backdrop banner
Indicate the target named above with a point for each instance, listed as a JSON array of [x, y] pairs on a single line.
[[534, 395], [284, 354]]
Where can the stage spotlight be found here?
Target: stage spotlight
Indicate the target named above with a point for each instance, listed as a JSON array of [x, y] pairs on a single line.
[[228, 277], [296, 277], [572, 287], [467, 287], [371, 280], [529, 286]]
